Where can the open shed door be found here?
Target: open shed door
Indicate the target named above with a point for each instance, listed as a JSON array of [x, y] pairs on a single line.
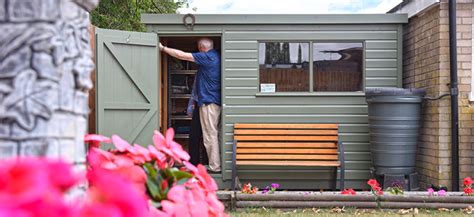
[[127, 85]]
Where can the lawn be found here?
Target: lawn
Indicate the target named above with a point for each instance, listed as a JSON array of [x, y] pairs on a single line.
[[251, 212]]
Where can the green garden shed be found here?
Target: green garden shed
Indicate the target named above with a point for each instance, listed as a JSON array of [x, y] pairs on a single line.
[[275, 69]]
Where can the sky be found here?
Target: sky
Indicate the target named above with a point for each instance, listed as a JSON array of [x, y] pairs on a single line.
[[288, 6]]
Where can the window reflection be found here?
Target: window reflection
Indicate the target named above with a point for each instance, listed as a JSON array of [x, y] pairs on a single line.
[[285, 64], [337, 66]]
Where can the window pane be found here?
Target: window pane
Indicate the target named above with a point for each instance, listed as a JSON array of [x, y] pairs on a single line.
[[337, 66], [285, 65]]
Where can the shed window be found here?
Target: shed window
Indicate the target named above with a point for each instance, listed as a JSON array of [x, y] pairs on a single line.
[[285, 66], [337, 66]]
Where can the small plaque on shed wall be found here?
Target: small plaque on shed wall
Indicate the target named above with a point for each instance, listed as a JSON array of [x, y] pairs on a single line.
[[267, 88]]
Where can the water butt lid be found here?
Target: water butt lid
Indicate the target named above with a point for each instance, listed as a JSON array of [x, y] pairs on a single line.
[[392, 91]]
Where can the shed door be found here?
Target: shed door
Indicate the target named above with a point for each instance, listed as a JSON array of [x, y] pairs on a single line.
[[127, 84]]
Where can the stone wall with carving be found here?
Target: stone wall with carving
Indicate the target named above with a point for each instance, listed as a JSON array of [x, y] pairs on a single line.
[[45, 66]]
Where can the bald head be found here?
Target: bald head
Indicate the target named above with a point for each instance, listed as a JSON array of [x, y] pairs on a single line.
[[205, 44]]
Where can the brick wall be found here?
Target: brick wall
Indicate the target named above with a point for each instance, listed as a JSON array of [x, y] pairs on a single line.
[[426, 65], [466, 109], [421, 45]]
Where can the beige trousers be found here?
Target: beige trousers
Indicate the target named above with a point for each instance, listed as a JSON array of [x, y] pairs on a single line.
[[210, 116]]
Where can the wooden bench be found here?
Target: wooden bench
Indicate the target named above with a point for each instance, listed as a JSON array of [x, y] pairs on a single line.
[[305, 145]]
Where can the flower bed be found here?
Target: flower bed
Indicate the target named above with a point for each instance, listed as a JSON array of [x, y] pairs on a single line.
[[128, 181], [393, 198], [298, 199]]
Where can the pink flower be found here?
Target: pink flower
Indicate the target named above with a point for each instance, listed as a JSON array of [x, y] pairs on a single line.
[[22, 182], [175, 209], [61, 175], [190, 167], [94, 140], [195, 197], [35, 187], [373, 183], [200, 173], [27, 179], [192, 201], [468, 181], [100, 158], [142, 153], [349, 191], [137, 153], [120, 164], [431, 191], [121, 145], [136, 175], [215, 206], [50, 206], [375, 186], [468, 191], [441, 193], [45, 206], [4, 212], [154, 212], [112, 195], [170, 147], [177, 205], [94, 210], [159, 157]]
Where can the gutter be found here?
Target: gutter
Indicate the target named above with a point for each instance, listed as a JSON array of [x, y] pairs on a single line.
[[454, 96]]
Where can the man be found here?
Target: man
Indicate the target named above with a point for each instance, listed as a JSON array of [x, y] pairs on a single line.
[[208, 88]]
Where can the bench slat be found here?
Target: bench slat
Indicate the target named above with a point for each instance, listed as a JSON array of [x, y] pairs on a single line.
[[285, 157], [286, 145], [286, 126], [285, 132], [289, 163], [285, 151], [285, 138]]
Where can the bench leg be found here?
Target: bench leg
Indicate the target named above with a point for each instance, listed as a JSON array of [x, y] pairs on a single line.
[[234, 166], [233, 180], [334, 173], [343, 165], [341, 182]]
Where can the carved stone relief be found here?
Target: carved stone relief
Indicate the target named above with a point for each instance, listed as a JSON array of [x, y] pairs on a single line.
[[45, 66]]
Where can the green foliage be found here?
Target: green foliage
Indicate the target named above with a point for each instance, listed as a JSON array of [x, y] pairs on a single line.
[[160, 181], [125, 14], [396, 190]]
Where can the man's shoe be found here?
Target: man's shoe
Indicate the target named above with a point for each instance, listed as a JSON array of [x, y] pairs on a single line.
[[211, 171]]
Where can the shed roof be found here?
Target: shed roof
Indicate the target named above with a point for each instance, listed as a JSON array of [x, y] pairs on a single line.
[[170, 19], [412, 8]]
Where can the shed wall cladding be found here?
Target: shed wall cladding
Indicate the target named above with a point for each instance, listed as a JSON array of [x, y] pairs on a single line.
[[242, 102]]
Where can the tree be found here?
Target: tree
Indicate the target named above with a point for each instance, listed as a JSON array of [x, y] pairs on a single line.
[[299, 54], [125, 14]]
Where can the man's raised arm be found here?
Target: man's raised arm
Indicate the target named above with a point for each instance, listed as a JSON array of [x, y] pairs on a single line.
[[177, 53]]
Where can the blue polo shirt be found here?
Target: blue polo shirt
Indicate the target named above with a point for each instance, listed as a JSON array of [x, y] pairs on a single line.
[[208, 80]]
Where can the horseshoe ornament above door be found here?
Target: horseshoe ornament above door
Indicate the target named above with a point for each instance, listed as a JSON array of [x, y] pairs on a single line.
[[187, 24]]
